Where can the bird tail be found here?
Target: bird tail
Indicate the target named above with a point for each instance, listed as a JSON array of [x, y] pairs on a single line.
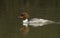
[[57, 22]]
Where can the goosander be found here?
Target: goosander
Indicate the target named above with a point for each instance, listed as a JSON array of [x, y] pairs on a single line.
[[35, 22]]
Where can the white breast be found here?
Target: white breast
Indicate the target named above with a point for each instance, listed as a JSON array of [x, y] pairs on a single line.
[[25, 22]]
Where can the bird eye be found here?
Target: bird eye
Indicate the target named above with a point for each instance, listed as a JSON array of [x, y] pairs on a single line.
[[22, 15]]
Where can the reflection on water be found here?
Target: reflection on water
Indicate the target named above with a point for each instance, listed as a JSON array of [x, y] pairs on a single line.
[[48, 31], [25, 32]]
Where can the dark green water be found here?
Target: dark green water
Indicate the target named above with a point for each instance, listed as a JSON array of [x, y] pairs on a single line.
[[11, 9]]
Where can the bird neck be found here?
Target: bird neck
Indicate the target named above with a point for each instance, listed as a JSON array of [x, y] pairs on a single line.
[[25, 19]]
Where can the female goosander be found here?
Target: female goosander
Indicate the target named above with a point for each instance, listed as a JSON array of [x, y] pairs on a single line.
[[35, 22]]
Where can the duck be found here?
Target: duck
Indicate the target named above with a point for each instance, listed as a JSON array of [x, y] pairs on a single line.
[[35, 22]]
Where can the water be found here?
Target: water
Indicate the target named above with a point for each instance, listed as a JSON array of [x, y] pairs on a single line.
[[10, 24]]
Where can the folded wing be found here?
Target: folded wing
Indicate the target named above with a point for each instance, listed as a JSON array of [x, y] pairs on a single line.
[[39, 22]]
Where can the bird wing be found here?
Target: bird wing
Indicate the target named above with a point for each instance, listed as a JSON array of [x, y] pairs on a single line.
[[39, 22]]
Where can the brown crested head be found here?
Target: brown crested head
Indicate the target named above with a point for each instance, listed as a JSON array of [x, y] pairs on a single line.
[[25, 15]]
